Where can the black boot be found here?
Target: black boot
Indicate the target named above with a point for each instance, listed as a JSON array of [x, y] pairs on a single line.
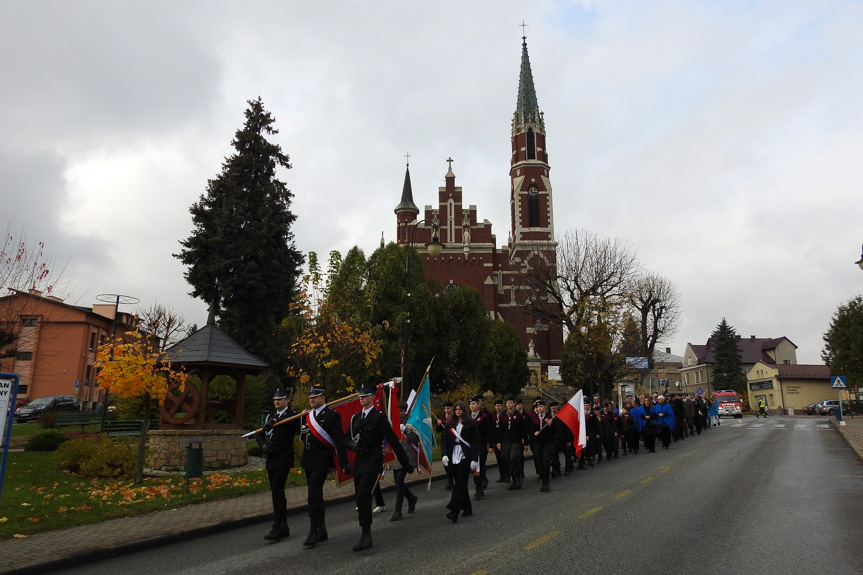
[[313, 537], [478, 494], [322, 531], [513, 484], [365, 541], [279, 530]]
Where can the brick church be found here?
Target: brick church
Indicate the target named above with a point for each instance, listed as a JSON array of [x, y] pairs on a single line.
[[471, 256]]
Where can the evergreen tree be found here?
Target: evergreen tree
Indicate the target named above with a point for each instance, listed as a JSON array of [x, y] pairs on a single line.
[[727, 359], [843, 342], [241, 255], [504, 362]]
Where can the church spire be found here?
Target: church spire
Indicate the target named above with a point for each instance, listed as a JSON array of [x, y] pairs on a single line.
[[527, 108], [407, 203]]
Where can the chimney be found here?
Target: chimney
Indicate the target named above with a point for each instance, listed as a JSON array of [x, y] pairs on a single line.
[[668, 350], [752, 337]]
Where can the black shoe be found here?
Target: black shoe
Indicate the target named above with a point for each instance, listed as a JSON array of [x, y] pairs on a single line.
[[322, 534], [545, 488], [452, 516], [485, 484], [277, 533], [312, 539], [512, 486], [412, 504], [566, 473], [364, 543], [396, 515], [501, 480], [478, 495], [467, 513], [519, 482]]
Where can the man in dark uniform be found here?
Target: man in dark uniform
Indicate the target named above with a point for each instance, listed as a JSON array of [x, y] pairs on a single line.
[[543, 434], [441, 427], [512, 441], [322, 437], [563, 443], [277, 443], [366, 433], [482, 418], [496, 419]]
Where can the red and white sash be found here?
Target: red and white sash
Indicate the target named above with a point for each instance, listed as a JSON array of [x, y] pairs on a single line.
[[319, 432]]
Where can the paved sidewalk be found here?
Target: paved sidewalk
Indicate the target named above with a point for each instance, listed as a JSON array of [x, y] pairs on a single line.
[[42, 552], [852, 431]]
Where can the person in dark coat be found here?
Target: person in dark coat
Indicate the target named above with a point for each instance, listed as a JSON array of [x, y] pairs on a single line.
[[544, 440], [679, 411], [460, 447], [410, 442], [664, 417], [648, 425], [277, 443], [563, 443], [512, 441], [441, 425], [323, 444], [366, 434], [482, 418], [498, 417]]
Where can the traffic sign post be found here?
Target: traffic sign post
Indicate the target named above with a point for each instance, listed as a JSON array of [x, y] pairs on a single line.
[[8, 397], [838, 382]]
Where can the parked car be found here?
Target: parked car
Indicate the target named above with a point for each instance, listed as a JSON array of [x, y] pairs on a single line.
[[55, 403], [831, 406], [811, 408]]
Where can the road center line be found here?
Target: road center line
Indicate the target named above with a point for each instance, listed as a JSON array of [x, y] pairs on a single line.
[[648, 480], [541, 540], [665, 470], [623, 494], [589, 512]]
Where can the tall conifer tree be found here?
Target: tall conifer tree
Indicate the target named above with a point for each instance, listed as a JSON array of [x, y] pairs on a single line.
[[241, 255], [728, 359]]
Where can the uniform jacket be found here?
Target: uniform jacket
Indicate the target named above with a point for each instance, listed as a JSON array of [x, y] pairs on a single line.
[[370, 433], [317, 455], [484, 426], [279, 442], [512, 428], [547, 433], [469, 434]]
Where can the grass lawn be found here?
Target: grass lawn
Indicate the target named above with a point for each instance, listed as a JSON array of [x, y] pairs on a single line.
[[36, 498]]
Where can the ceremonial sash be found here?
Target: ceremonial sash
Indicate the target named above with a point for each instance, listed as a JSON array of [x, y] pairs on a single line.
[[459, 437], [319, 432]]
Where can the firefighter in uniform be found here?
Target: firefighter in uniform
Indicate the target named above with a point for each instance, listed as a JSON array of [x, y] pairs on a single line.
[[277, 443], [323, 443]]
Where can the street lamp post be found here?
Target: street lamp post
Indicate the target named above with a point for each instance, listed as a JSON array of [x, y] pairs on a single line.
[[434, 248]]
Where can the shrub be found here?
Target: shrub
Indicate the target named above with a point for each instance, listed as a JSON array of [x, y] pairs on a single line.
[[48, 441], [98, 457], [47, 419]]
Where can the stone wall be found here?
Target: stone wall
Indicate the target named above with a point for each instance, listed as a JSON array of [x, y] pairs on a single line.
[[223, 448]]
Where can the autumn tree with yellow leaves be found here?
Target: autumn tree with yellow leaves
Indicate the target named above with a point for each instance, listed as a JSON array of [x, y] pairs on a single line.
[[134, 368]]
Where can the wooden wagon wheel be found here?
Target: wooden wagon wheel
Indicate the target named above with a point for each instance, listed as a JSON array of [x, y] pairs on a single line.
[[181, 405]]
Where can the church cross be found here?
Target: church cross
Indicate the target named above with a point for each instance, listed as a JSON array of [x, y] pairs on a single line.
[[408, 156]]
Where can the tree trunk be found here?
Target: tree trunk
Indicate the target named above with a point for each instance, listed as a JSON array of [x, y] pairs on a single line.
[[142, 441]]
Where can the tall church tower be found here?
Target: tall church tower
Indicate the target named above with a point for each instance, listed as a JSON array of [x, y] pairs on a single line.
[[531, 211]]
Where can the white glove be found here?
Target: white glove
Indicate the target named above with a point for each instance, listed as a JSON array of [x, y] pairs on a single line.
[[474, 465], [445, 460]]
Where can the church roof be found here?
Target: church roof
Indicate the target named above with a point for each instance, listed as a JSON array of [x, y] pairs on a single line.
[[211, 346], [527, 108], [407, 203]]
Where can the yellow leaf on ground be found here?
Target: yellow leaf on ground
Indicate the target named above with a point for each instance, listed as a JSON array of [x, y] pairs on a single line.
[[3, 520]]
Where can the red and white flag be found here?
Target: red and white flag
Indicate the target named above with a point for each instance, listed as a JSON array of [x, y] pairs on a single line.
[[572, 414]]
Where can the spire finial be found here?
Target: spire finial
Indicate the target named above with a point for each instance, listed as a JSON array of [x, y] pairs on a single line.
[[408, 157], [449, 162], [523, 34]]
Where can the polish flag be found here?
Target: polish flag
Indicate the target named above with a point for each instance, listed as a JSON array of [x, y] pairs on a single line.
[[572, 414]]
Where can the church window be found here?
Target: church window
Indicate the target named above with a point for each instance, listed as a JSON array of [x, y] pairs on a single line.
[[531, 145], [450, 221], [533, 206]]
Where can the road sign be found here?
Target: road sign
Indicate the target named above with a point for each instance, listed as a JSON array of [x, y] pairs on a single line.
[[700, 391], [837, 381]]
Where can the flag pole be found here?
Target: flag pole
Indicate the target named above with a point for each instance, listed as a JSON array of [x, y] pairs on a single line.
[[422, 382], [302, 413]]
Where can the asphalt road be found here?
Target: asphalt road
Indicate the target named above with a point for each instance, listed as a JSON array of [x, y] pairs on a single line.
[[744, 497]]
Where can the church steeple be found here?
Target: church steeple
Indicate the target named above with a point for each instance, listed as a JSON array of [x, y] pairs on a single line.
[[530, 196], [407, 203], [527, 108]]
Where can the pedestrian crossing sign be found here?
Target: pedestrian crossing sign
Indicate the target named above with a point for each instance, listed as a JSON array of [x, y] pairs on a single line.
[[837, 381]]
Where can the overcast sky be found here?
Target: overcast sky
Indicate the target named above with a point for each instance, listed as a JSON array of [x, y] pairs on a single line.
[[723, 140]]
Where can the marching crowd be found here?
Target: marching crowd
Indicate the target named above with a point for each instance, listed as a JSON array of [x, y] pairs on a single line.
[[470, 433]]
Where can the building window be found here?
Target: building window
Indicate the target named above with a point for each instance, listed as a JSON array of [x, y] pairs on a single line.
[[28, 322], [24, 356], [450, 221], [92, 340], [531, 145]]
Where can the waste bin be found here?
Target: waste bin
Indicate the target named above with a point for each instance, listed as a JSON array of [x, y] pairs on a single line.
[[195, 458], [790, 411]]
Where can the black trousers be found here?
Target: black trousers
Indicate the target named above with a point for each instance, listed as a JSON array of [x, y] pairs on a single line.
[[459, 498], [315, 478], [513, 452], [402, 490], [363, 483], [501, 463], [650, 441], [542, 458], [480, 481], [278, 479]]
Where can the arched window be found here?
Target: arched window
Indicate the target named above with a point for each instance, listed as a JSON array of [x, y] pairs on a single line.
[[531, 145], [533, 207], [450, 221]]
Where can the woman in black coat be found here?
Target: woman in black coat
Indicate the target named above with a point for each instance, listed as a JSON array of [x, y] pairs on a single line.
[[460, 445]]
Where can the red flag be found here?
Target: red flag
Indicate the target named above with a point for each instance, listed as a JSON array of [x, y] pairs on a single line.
[[572, 414], [346, 411]]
